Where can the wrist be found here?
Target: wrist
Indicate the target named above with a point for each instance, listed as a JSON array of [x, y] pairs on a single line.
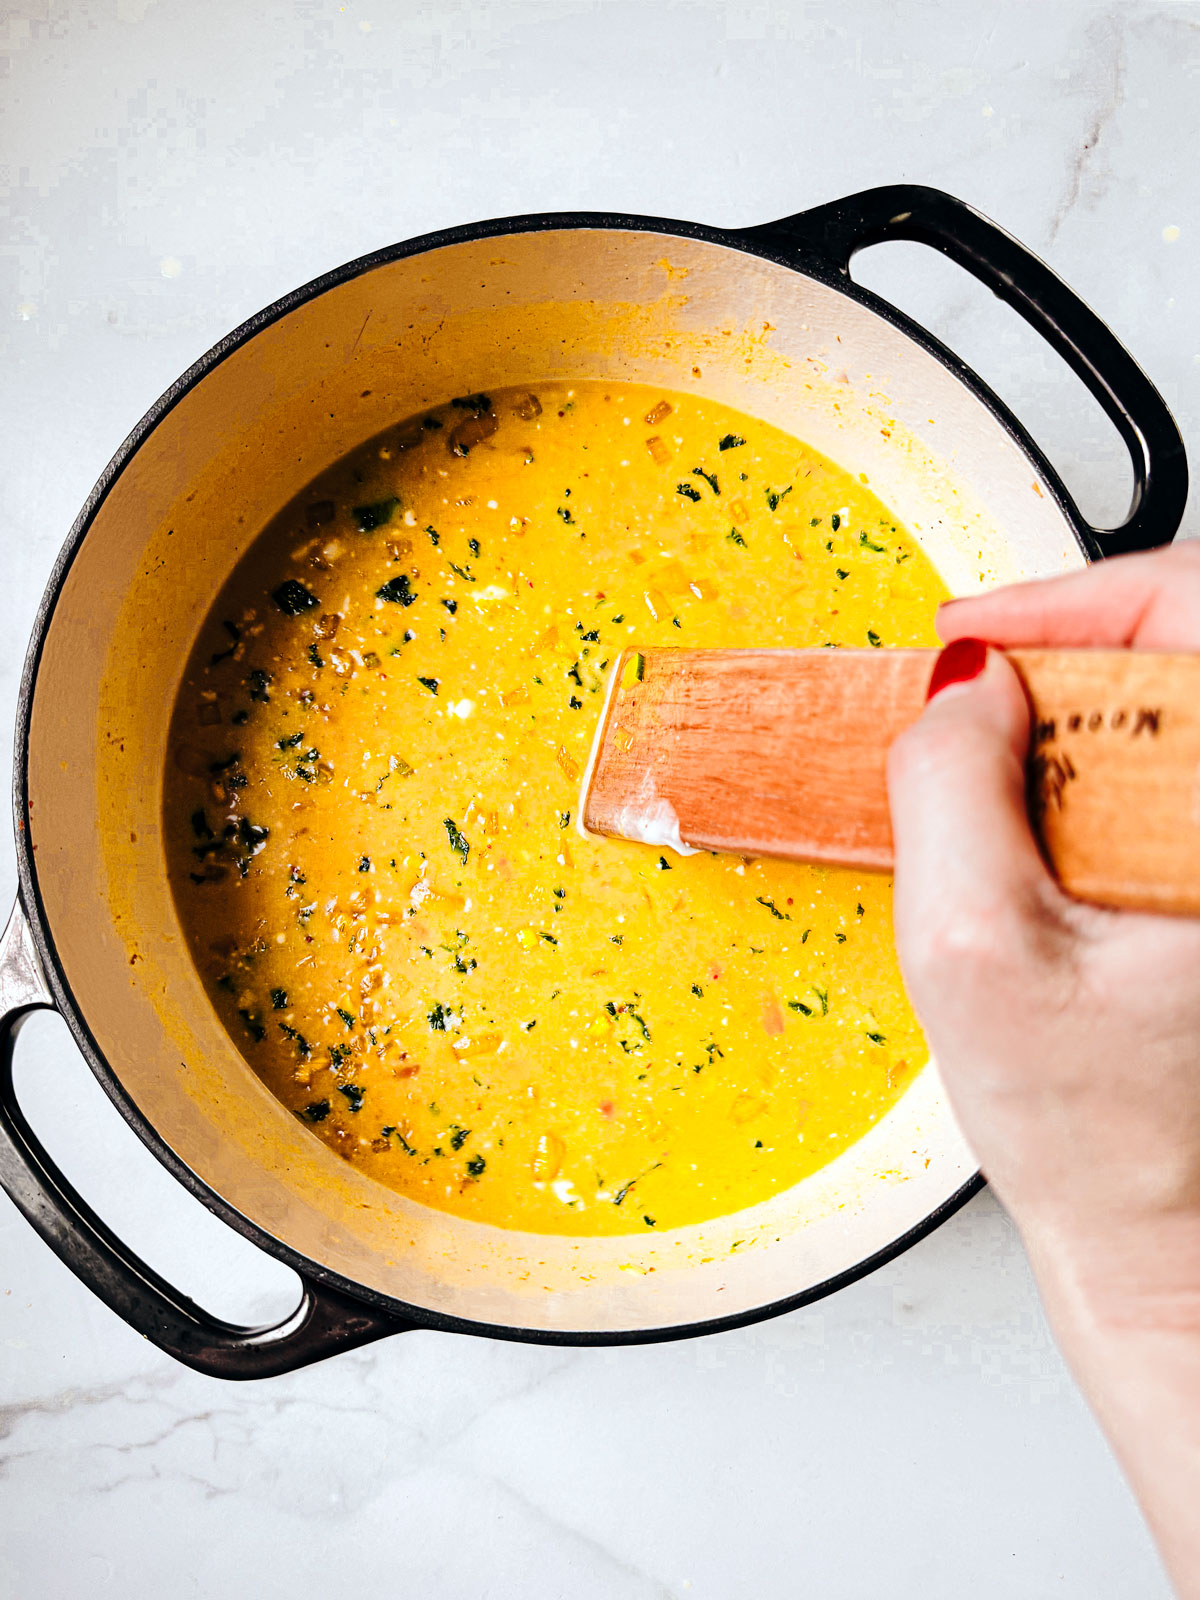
[[1117, 1277], [1125, 1307]]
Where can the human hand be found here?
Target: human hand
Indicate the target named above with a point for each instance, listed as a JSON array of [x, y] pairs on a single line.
[[1068, 1036]]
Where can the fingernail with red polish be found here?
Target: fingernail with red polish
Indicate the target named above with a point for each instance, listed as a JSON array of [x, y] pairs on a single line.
[[958, 663]]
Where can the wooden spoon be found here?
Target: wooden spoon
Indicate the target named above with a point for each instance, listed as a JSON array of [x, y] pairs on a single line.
[[782, 753]]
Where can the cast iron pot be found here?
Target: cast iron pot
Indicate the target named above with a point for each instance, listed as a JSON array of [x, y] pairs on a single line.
[[766, 319]]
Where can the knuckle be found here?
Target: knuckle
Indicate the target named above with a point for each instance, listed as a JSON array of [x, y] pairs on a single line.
[[926, 754], [924, 751], [978, 942], [1003, 945], [957, 963]]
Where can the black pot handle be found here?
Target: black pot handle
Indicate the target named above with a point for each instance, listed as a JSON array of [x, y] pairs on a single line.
[[835, 232], [324, 1323]]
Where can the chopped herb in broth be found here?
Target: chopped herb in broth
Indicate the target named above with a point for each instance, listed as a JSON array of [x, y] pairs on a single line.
[[375, 762]]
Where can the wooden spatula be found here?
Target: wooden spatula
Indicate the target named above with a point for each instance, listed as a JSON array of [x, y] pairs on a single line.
[[782, 753]]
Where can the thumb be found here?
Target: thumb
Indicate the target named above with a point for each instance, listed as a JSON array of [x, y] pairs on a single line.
[[967, 863]]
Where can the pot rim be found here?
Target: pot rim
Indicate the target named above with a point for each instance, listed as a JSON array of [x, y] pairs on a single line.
[[807, 261]]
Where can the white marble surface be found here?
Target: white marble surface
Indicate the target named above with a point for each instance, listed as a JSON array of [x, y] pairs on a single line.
[[170, 167]]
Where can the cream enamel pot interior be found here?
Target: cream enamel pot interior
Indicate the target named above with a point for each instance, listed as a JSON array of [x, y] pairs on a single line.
[[767, 320]]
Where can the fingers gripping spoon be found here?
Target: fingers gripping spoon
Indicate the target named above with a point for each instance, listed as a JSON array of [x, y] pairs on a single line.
[[783, 753]]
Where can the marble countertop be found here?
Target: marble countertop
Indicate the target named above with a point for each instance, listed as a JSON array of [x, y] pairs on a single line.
[[167, 169]]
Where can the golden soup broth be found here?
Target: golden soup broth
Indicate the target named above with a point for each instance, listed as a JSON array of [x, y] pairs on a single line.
[[369, 805]]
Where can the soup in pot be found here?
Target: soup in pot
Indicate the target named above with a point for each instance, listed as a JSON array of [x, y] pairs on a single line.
[[375, 761]]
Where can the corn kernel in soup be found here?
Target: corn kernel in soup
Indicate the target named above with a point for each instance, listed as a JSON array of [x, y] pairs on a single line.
[[375, 760]]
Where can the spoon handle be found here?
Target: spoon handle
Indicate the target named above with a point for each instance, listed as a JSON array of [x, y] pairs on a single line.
[[783, 753]]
